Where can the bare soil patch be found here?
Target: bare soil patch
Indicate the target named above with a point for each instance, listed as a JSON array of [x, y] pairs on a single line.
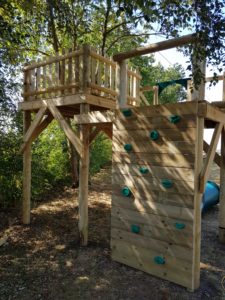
[[44, 260]]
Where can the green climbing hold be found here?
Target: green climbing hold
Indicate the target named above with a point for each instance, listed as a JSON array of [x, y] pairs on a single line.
[[143, 170], [128, 147], [167, 183], [174, 119], [135, 228], [179, 225], [126, 191], [154, 135], [159, 260], [127, 112]]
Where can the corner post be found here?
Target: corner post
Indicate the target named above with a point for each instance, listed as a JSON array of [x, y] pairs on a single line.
[[84, 158], [197, 205], [123, 84], [222, 182], [26, 157]]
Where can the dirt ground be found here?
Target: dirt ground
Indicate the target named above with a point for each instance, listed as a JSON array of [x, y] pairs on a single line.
[[44, 260]]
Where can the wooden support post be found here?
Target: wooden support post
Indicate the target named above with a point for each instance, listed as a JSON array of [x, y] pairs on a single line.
[[83, 180], [210, 156], [156, 95], [222, 190], [199, 94], [123, 84], [197, 204], [26, 172]]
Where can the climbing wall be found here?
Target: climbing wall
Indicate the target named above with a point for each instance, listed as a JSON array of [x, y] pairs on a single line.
[[152, 219]]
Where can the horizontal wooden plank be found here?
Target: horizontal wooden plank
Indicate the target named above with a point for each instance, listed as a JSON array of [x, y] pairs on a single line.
[[95, 117], [152, 221], [145, 145], [165, 248], [163, 160], [173, 199], [183, 134], [101, 101], [156, 122], [154, 171], [58, 101], [211, 112], [151, 183], [151, 207], [182, 108], [166, 234], [175, 270]]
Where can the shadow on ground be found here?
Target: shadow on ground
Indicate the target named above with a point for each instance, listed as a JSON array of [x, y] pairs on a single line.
[[45, 261]]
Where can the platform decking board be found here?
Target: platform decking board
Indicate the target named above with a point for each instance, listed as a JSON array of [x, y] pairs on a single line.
[[154, 171], [166, 248], [142, 259]]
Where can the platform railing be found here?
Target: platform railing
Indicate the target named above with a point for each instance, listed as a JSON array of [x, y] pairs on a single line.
[[74, 72]]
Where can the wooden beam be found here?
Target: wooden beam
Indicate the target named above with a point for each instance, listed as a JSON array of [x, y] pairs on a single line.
[[217, 157], [123, 84], [58, 101], [93, 134], [108, 132], [30, 132], [83, 180], [26, 172], [210, 156], [143, 99], [211, 112], [197, 205], [222, 191], [95, 117], [71, 135], [172, 43]]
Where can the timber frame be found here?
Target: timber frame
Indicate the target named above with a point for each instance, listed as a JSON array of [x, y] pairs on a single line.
[[91, 89]]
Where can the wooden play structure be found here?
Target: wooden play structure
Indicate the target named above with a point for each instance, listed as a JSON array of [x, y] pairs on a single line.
[[158, 170]]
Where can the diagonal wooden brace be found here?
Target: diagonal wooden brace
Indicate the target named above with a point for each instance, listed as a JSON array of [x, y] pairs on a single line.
[[71, 135], [210, 156], [29, 136]]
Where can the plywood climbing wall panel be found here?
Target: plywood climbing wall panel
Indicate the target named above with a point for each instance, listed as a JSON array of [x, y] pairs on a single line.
[[153, 210]]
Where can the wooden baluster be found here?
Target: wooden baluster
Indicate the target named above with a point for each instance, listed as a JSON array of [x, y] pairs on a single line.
[[77, 73], [70, 72], [44, 79], [62, 73], [38, 81]]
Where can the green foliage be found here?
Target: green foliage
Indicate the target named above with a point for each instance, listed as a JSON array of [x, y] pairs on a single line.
[[50, 161], [100, 154], [153, 74]]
